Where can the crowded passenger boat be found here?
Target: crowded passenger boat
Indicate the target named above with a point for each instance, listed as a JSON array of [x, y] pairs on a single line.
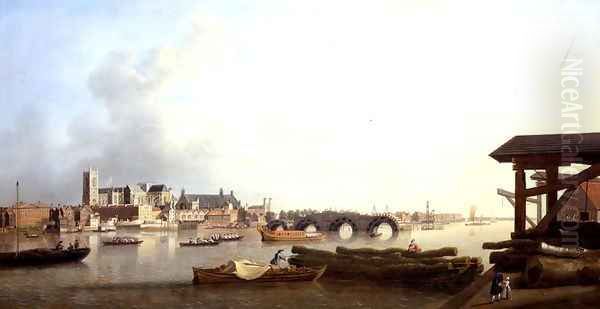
[[122, 241], [199, 242]]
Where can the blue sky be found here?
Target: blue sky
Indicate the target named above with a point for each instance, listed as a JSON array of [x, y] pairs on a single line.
[[318, 104]]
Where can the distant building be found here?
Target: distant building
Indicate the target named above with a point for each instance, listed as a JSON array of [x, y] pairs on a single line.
[[585, 199], [134, 195], [258, 213], [222, 216], [207, 201], [111, 196], [122, 213], [403, 216], [30, 215], [90, 187], [449, 217], [159, 195], [219, 208]]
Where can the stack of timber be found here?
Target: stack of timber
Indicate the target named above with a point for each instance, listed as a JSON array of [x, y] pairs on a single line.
[[430, 267], [544, 266]]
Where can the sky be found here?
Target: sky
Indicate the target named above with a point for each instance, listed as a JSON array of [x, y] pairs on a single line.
[[316, 104]]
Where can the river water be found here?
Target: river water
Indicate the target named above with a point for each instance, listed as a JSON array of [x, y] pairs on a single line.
[[158, 273]]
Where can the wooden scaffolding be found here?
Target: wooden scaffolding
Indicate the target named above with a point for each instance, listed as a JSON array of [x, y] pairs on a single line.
[[548, 153]]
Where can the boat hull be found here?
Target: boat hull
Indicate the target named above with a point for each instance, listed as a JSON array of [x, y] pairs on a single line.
[[215, 276], [267, 235], [36, 257], [185, 244]]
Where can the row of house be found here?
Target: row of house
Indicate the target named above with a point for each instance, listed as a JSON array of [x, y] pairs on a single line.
[[147, 200], [40, 215]]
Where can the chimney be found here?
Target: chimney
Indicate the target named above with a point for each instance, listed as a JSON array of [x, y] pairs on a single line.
[[231, 193], [265, 202], [221, 192]]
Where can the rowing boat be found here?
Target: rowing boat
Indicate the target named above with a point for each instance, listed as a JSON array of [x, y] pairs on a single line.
[[268, 235], [114, 243], [218, 275], [42, 256], [199, 244]]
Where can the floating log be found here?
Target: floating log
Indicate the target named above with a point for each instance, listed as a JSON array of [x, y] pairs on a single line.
[[362, 268], [385, 257], [557, 252], [546, 271], [311, 251], [446, 251], [514, 243], [369, 251], [509, 260], [390, 265]]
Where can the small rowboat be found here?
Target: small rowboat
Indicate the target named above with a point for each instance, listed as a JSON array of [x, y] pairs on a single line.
[[199, 244], [216, 275], [122, 243], [268, 235]]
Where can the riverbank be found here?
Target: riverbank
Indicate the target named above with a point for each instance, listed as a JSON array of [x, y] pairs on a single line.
[[559, 297]]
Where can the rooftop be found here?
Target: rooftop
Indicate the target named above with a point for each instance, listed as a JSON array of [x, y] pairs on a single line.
[[568, 148], [158, 188]]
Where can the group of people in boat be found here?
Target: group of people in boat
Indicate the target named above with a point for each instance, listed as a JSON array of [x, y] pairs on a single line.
[[200, 241], [124, 240], [72, 246], [230, 236]]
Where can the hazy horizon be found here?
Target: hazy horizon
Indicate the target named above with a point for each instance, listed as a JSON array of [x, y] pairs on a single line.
[[329, 104]]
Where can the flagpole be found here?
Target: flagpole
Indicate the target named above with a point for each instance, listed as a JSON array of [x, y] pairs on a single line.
[[17, 220]]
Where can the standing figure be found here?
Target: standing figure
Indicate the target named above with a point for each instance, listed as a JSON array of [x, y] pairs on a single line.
[[506, 290], [496, 288]]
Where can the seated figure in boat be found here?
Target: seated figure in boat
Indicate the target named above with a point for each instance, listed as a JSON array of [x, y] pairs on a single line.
[[59, 245], [413, 247], [275, 261]]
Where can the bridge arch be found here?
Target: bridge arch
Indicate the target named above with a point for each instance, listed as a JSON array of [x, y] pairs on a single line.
[[306, 222], [384, 219], [337, 224]]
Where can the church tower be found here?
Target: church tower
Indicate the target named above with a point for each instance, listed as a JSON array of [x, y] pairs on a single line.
[[90, 187]]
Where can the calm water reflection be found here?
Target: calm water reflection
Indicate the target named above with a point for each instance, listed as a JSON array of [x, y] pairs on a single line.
[[158, 273]]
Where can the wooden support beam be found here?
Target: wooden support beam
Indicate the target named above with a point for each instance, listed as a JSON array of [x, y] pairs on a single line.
[[568, 183], [508, 194], [551, 180], [512, 203], [520, 200], [539, 209], [542, 227]]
